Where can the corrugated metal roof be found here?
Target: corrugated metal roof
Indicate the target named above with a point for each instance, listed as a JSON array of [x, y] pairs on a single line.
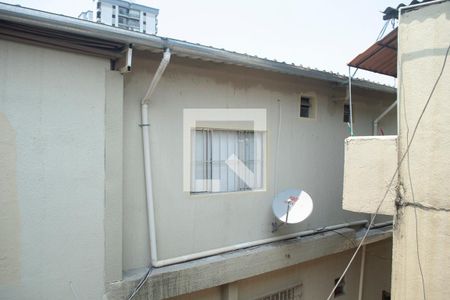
[[381, 57], [89, 32]]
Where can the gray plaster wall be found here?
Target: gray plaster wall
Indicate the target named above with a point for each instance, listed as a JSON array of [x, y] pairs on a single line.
[[310, 155], [52, 107]]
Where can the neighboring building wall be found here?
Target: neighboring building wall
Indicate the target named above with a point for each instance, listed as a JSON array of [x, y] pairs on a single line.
[[378, 267], [315, 279], [310, 155], [125, 15], [86, 15], [422, 231], [106, 13], [52, 116], [388, 125]]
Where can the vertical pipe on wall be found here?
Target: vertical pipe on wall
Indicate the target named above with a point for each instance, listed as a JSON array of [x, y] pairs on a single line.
[[350, 98], [361, 273], [384, 113], [146, 148], [148, 182]]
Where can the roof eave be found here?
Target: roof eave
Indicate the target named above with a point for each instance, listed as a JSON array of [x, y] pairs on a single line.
[[156, 43]]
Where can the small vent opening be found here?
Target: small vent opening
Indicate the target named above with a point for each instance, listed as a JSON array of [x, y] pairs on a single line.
[[305, 107], [292, 293], [346, 113], [339, 291]]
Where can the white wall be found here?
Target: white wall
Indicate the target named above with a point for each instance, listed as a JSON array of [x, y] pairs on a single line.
[[107, 12], [151, 23], [421, 265], [52, 106], [370, 162], [310, 156]]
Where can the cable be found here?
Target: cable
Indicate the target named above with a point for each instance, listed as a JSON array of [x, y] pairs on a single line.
[[275, 187], [411, 184], [415, 208], [408, 146], [275, 225], [141, 283], [383, 30]]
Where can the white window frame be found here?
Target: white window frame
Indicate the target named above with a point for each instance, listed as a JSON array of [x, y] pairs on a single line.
[[217, 145]]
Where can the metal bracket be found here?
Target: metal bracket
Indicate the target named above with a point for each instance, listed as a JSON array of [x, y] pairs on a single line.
[[128, 58]]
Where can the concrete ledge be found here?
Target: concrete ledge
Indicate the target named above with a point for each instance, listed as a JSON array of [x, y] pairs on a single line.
[[217, 270], [370, 163]]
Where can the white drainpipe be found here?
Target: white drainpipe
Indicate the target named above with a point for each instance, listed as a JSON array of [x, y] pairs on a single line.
[[180, 259], [147, 163], [350, 98], [384, 113]]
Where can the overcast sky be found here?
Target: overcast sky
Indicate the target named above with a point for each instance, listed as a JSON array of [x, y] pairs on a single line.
[[323, 34]]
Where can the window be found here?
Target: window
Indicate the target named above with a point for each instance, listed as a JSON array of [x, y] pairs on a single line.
[[307, 107], [212, 152], [123, 10], [293, 293], [99, 14], [385, 296], [113, 16], [133, 23], [99, 4], [340, 288], [346, 113], [134, 13]]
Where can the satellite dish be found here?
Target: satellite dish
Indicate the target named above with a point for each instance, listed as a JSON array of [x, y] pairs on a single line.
[[292, 206]]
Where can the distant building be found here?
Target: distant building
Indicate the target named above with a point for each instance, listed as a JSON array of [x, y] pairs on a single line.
[[123, 14], [86, 15]]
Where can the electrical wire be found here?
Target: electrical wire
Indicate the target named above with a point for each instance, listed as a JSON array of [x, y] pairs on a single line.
[[408, 146], [414, 201], [275, 225], [141, 283], [383, 30], [275, 187], [416, 219]]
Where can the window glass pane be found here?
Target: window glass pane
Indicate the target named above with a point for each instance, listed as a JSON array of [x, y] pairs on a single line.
[[134, 13], [210, 151], [305, 105], [133, 23], [123, 10]]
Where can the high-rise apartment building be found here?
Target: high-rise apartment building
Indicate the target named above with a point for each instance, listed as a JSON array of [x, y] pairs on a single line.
[[123, 14]]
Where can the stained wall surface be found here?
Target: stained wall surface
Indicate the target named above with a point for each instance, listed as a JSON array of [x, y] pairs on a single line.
[[421, 265], [52, 178], [309, 156]]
